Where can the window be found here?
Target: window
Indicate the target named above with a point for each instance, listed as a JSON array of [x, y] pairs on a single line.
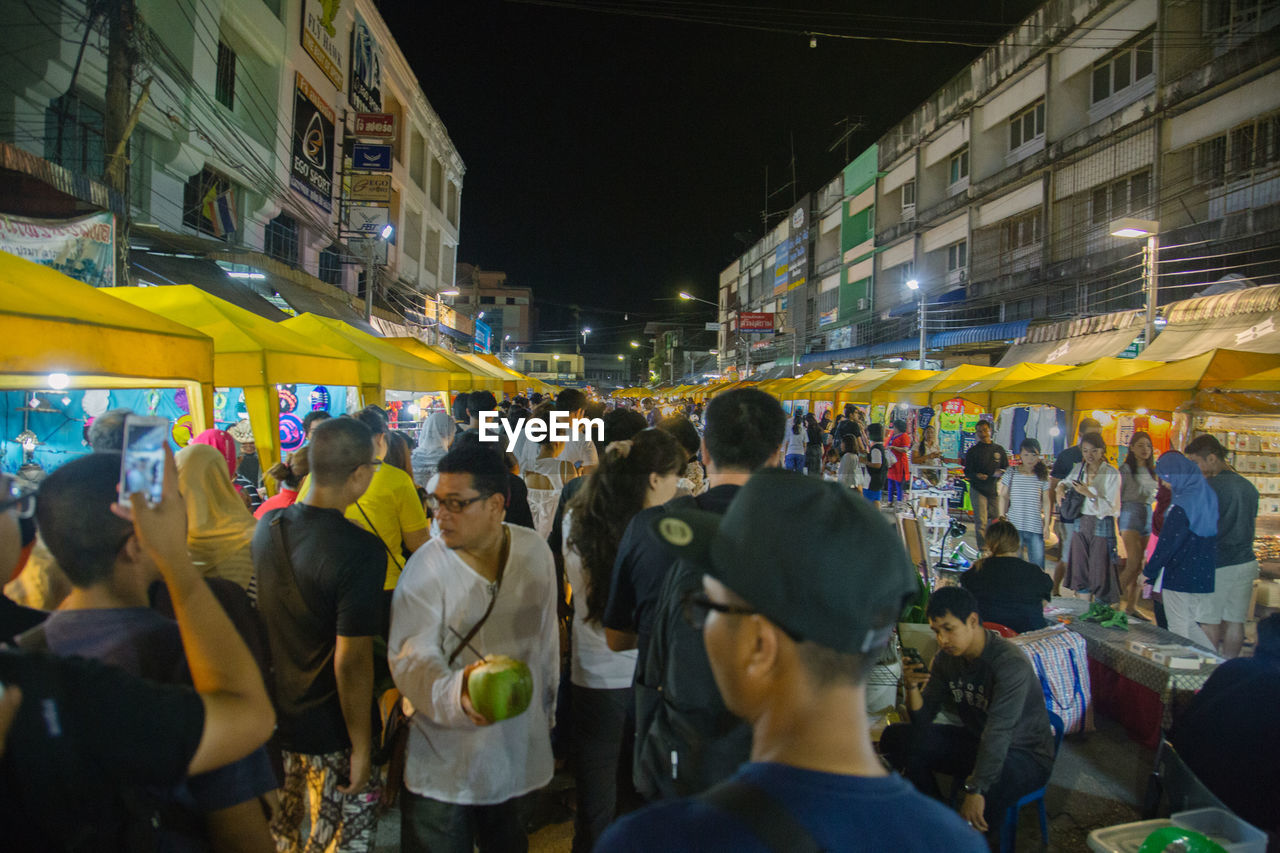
[[488, 300], [958, 256], [1020, 232], [1120, 198], [281, 240], [539, 365], [959, 166], [224, 87], [79, 145], [418, 159], [200, 188], [908, 196], [1211, 160], [451, 205], [1123, 68], [1248, 147], [511, 300], [437, 184], [331, 265], [1230, 22], [1027, 125]]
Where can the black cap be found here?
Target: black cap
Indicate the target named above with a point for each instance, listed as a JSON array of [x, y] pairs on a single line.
[[811, 556]]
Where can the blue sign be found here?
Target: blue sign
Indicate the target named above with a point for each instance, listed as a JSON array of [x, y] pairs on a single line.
[[484, 337], [367, 157]]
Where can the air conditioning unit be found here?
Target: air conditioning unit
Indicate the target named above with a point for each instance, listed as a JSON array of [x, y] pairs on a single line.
[[862, 304]]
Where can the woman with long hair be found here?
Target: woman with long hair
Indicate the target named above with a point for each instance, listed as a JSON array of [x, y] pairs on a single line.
[[928, 452], [434, 438], [899, 476], [1026, 502], [632, 476], [1010, 591], [796, 439], [812, 446], [1138, 487], [219, 526], [1091, 569]]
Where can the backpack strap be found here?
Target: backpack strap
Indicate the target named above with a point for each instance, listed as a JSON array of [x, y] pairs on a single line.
[[768, 819], [33, 640]]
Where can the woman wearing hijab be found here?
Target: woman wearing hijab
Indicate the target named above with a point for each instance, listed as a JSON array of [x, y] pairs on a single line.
[[433, 443], [222, 442], [1182, 566], [219, 526]]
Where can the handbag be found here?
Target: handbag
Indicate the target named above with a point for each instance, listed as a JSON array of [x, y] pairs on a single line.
[[1071, 507]]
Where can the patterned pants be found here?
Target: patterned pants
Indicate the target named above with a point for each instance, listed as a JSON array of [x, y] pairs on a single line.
[[314, 817]]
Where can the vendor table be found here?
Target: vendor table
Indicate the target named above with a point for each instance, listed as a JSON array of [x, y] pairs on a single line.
[[1134, 690]]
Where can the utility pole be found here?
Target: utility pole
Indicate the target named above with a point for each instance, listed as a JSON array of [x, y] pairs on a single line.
[[922, 331], [117, 121]]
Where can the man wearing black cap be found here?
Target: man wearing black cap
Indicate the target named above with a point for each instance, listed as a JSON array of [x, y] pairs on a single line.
[[792, 626]]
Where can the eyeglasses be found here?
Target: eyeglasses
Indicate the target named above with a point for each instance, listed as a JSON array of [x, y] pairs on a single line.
[[14, 496], [454, 505]]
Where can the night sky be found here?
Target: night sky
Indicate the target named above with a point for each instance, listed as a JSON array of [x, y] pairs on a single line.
[[611, 159]]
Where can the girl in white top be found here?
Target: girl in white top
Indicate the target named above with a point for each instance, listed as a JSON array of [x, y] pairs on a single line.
[[632, 475], [1091, 568], [1138, 487], [545, 476]]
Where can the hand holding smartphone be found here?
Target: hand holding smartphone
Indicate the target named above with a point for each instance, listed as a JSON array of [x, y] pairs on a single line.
[[142, 458]]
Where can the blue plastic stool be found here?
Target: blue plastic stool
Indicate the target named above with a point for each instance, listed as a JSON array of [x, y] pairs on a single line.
[[1009, 831]]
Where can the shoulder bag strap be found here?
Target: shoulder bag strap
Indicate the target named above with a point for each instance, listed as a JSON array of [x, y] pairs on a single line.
[[374, 530], [497, 585], [33, 639], [768, 819], [287, 587]]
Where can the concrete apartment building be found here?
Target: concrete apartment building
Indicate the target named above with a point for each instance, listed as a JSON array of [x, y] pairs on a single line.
[[241, 160], [508, 309], [997, 195]]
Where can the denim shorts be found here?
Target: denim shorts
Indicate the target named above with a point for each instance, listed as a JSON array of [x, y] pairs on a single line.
[[1136, 516]]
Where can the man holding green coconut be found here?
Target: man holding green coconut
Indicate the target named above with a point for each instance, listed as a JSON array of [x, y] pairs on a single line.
[[474, 649]]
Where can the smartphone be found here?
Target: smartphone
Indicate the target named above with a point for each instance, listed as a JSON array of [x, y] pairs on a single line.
[[142, 462], [911, 656]]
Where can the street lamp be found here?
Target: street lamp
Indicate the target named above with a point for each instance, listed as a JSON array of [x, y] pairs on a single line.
[[1150, 229], [913, 284], [635, 345], [584, 334], [689, 297]]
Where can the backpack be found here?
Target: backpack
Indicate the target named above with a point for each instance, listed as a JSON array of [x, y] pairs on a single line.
[[686, 739]]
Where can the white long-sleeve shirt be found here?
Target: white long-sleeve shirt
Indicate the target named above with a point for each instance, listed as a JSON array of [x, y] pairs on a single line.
[[595, 665], [450, 758], [1105, 485]]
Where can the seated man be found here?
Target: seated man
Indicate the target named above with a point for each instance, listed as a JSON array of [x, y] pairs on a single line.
[[1004, 749], [1226, 734], [790, 653]]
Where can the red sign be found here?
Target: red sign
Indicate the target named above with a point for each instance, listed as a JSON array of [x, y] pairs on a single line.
[[382, 125], [755, 322]]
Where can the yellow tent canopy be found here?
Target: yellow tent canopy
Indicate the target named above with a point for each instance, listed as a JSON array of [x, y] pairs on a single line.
[[1168, 386], [944, 385], [462, 376], [825, 389], [980, 390], [872, 389], [55, 324], [1059, 389], [515, 381], [383, 366], [249, 352], [847, 387], [1267, 380]]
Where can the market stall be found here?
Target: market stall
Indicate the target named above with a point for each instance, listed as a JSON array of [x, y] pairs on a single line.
[[66, 338], [256, 357]]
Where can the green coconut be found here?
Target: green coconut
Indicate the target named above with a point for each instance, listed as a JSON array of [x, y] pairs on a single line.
[[500, 688]]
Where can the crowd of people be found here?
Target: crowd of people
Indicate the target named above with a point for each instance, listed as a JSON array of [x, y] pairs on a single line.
[[695, 597]]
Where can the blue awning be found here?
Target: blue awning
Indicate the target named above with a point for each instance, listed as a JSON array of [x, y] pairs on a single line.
[[902, 347], [461, 337], [979, 334]]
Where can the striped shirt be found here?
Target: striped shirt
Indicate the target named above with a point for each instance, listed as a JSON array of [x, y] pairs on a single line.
[[1026, 493]]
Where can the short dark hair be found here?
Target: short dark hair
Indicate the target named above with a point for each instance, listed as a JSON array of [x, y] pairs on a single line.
[[875, 432], [593, 409], [682, 430], [900, 425], [534, 399], [622, 424], [570, 400], [1205, 444], [1094, 439], [338, 447], [73, 512], [983, 423], [459, 408], [1088, 425], [312, 418], [744, 429], [107, 431], [484, 462], [956, 600], [521, 401], [481, 401], [374, 418]]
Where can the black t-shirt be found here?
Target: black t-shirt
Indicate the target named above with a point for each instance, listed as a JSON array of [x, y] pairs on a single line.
[[14, 618], [640, 568], [86, 738], [985, 459], [339, 569], [1010, 592], [518, 511], [1065, 461]]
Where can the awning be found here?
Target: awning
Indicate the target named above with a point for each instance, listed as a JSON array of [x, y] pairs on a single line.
[[249, 352], [1167, 387], [979, 334], [1076, 341], [1059, 389], [53, 323], [305, 300], [463, 376], [1247, 320], [160, 269], [944, 385], [460, 337]]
